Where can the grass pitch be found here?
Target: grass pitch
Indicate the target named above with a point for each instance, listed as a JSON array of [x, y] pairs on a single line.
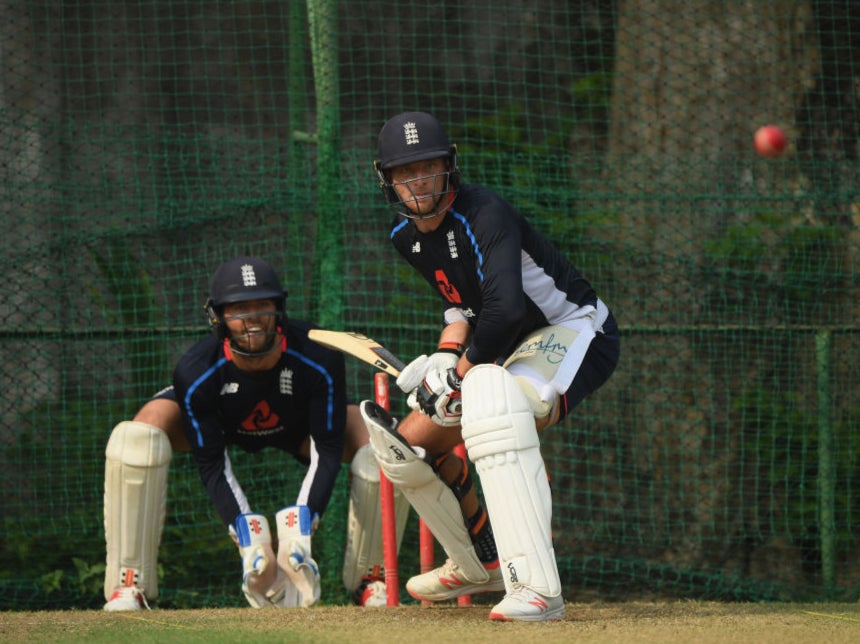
[[630, 622]]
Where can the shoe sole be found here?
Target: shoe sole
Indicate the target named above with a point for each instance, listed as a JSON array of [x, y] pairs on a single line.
[[453, 594], [549, 616]]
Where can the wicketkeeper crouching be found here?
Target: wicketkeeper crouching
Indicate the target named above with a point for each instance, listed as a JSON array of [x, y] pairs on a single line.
[[256, 382]]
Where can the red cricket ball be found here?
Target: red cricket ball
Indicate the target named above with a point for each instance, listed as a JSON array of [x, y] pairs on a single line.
[[770, 141]]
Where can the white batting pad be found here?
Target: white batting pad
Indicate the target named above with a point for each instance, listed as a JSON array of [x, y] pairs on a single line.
[[363, 555], [137, 460], [500, 436], [432, 499]]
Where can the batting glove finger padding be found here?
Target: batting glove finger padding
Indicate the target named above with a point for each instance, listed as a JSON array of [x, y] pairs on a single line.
[[412, 401], [416, 371], [413, 374]]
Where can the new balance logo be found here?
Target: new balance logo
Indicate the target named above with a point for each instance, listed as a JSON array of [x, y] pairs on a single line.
[[230, 388], [539, 603], [450, 582]]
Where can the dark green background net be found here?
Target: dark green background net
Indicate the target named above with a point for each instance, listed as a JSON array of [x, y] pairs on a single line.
[[145, 142]]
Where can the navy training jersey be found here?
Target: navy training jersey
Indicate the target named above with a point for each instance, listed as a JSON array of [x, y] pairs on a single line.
[[486, 260], [304, 395]]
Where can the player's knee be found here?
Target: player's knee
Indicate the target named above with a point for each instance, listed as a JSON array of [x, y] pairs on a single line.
[[165, 414], [497, 415], [138, 444], [454, 473], [364, 465], [356, 434], [541, 408]]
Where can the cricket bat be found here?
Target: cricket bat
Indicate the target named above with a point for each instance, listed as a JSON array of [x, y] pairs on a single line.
[[359, 346]]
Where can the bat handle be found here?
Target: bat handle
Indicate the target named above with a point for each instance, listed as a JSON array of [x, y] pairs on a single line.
[[381, 389]]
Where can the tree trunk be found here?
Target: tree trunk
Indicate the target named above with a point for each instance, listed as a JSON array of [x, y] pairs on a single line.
[[693, 80]]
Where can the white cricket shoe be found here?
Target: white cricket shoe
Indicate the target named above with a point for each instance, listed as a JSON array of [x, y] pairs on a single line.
[[448, 581], [371, 594], [126, 598], [524, 604]]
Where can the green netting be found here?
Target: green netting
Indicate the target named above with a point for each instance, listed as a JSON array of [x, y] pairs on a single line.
[[145, 142]]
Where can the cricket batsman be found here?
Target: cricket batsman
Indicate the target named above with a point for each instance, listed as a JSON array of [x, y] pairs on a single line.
[[524, 340]]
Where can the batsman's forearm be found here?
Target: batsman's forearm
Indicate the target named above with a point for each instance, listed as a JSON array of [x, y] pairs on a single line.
[[463, 365], [458, 332]]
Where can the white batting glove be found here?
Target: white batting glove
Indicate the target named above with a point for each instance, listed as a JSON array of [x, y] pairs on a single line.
[[414, 374], [440, 398]]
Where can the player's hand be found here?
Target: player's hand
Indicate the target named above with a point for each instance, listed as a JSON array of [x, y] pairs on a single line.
[[440, 398], [413, 375], [259, 574], [302, 572], [295, 526]]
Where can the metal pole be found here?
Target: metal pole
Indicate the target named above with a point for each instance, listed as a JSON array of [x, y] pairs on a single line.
[[298, 199], [826, 470], [322, 20]]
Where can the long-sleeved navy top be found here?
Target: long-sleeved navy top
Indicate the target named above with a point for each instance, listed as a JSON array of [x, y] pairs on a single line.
[[495, 269], [304, 395]]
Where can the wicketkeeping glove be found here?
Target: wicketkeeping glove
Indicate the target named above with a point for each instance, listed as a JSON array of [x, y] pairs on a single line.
[[259, 574], [295, 527]]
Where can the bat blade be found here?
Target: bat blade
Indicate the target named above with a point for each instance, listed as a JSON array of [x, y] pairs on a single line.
[[359, 346]]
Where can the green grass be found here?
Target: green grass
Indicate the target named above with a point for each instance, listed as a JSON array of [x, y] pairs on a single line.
[[678, 621]]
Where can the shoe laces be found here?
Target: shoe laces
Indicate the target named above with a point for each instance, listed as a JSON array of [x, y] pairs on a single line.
[[448, 567]]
